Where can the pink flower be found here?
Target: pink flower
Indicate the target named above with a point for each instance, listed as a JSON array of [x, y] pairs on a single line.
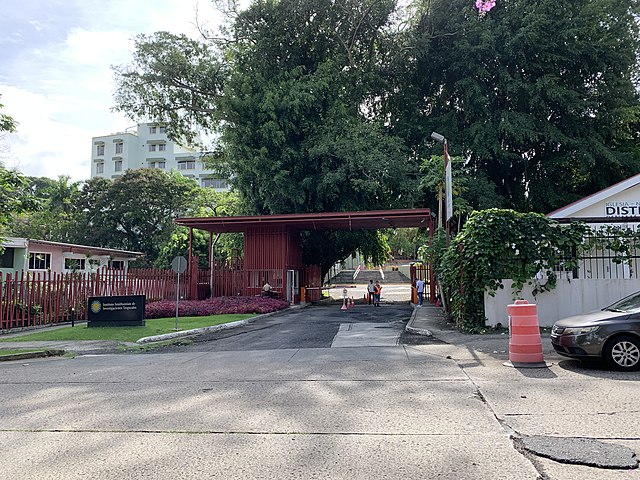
[[484, 6]]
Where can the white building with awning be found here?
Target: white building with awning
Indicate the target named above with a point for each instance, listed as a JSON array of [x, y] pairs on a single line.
[[600, 279]]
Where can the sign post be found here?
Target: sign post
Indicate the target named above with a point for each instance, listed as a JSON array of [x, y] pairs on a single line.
[[178, 265], [448, 187]]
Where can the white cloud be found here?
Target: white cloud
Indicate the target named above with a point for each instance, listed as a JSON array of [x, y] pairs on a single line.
[[58, 83], [47, 144]]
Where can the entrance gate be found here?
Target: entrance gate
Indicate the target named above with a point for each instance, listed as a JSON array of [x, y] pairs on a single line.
[[273, 242]]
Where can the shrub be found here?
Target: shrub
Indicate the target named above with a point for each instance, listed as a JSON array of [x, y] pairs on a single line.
[[214, 306]]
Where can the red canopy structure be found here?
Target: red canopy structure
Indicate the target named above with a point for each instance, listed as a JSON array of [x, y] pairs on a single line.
[[272, 246]]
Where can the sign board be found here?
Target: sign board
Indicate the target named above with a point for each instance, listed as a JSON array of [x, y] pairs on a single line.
[[179, 264], [117, 311], [448, 184]]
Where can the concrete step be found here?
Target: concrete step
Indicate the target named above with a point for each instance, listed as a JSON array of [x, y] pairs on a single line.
[[345, 277]]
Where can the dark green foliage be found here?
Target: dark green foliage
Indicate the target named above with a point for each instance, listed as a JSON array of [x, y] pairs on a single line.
[[503, 244], [296, 113], [538, 96], [59, 218], [137, 210], [328, 106], [15, 197]]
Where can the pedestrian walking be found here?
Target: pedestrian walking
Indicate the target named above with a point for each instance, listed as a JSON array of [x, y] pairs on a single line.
[[377, 289], [420, 291], [370, 291]]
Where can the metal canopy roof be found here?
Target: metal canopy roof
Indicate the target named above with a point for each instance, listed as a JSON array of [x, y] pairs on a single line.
[[419, 217]]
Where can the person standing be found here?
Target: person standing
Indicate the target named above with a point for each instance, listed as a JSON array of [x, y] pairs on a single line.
[[370, 290], [377, 290], [420, 291]]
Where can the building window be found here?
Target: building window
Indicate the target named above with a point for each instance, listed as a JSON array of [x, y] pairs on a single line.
[[74, 264], [152, 129], [99, 167], [100, 150], [39, 261], [94, 263], [187, 165], [119, 147], [214, 182], [162, 129], [117, 165], [6, 258], [161, 147], [116, 264], [157, 164]]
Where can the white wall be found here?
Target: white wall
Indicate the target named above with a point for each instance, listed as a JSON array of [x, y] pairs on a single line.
[[568, 298]]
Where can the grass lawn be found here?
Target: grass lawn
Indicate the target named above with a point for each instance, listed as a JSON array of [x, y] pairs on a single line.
[[156, 326]]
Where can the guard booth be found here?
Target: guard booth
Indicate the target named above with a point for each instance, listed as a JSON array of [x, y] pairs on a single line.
[[273, 246]]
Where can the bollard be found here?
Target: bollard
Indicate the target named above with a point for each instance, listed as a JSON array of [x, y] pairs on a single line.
[[525, 344], [73, 317]]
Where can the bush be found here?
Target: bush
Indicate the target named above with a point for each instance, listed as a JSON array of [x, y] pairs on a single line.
[[214, 306]]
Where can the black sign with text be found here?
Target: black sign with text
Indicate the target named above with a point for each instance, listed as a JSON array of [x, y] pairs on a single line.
[[120, 311]]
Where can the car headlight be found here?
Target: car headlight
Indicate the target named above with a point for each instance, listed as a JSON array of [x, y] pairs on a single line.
[[579, 330]]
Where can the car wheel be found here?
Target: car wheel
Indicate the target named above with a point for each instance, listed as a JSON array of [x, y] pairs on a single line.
[[623, 353]]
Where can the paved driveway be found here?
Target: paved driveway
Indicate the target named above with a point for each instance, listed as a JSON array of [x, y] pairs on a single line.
[[317, 326], [254, 408]]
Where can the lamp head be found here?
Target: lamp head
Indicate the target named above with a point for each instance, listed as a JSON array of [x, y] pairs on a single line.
[[437, 137]]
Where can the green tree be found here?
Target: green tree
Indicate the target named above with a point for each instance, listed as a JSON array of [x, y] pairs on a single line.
[[15, 196], [207, 202], [135, 211], [58, 219], [293, 93], [7, 123], [539, 97]]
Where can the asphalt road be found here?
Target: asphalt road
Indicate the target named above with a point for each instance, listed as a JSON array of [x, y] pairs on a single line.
[[311, 327], [313, 393]]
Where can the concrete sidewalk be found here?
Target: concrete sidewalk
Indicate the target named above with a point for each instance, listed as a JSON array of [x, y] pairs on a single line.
[[567, 418]]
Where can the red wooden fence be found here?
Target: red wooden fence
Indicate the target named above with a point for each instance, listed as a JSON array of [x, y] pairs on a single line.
[[36, 298]]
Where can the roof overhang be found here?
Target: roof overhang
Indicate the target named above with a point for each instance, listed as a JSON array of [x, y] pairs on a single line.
[[87, 250], [573, 208], [372, 220]]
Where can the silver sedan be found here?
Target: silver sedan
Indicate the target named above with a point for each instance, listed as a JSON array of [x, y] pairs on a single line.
[[612, 334]]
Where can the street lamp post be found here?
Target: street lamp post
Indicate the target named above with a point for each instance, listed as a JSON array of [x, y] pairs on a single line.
[[447, 182]]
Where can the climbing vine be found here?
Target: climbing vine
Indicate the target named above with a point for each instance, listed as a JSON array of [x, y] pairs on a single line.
[[527, 248], [501, 244]]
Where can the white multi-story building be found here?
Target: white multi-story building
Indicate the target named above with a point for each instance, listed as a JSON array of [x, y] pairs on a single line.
[[149, 147]]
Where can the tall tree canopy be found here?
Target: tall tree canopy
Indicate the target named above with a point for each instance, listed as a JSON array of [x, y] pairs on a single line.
[[58, 217], [291, 95], [328, 105], [137, 210], [540, 96]]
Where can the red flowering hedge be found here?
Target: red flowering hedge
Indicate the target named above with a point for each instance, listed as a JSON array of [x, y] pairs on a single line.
[[214, 306]]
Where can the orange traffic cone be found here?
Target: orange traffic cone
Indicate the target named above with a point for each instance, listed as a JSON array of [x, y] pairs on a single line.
[[525, 344], [344, 304]]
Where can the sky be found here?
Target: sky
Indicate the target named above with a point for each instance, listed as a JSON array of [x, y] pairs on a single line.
[[56, 78]]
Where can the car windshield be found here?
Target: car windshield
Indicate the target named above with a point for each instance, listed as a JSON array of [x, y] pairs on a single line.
[[630, 304]]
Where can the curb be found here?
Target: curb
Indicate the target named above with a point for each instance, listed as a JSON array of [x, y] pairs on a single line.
[[415, 330], [213, 328], [195, 331], [28, 355]]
